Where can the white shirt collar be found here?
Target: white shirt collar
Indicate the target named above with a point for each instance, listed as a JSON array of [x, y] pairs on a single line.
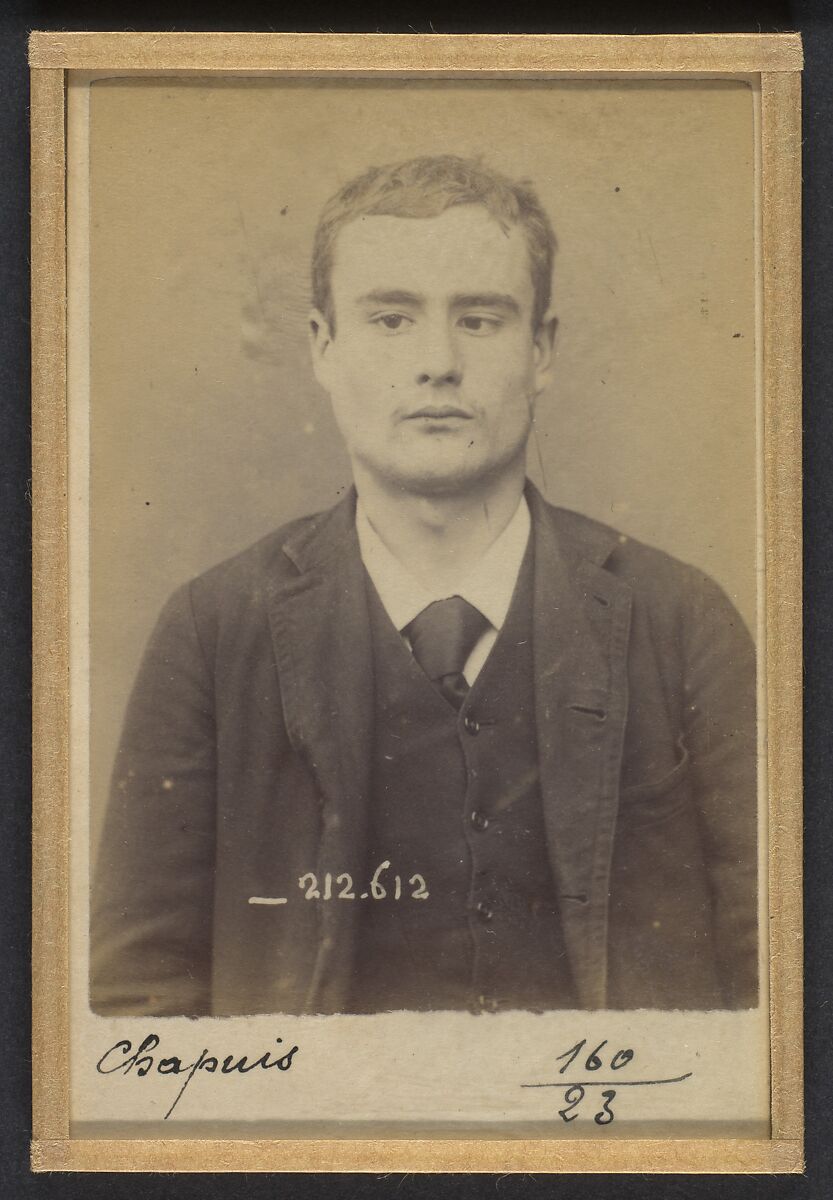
[[488, 585]]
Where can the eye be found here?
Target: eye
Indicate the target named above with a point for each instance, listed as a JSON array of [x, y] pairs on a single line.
[[392, 322], [479, 324]]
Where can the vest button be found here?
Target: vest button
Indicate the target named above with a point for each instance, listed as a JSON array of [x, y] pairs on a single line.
[[471, 726], [479, 820], [484, 912]]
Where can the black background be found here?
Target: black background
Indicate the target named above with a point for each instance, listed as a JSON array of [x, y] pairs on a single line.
[[813, 19]]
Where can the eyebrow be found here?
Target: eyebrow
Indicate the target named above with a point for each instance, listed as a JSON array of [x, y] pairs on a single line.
[[396, 296], [500, 300], [487, 300]]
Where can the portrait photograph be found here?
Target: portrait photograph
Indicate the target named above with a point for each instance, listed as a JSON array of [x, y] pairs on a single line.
[[420, 607]]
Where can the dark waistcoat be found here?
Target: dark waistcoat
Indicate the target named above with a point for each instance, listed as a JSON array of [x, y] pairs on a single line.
[[469, 918]]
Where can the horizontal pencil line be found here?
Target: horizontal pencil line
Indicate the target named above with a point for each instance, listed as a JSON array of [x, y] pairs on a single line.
[[563, 1083]]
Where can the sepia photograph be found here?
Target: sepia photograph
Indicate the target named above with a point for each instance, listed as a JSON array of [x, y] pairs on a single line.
[[524, 736], [418, 615]]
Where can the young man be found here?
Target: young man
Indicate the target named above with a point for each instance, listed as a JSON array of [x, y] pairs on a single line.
[[444, 746]]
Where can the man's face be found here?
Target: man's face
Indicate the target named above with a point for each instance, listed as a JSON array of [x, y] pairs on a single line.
[[434, 365]]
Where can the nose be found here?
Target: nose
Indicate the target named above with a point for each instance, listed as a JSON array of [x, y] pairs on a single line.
[[439, 360]]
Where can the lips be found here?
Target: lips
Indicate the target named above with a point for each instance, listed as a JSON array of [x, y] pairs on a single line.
[[439, 412]]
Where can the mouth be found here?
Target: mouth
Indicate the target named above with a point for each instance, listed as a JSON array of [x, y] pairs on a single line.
[[442, 412]]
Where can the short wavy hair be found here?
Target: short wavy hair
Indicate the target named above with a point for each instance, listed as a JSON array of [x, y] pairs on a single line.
[[426, 187]]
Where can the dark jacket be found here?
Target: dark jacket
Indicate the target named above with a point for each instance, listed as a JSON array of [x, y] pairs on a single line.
[[245, 762]]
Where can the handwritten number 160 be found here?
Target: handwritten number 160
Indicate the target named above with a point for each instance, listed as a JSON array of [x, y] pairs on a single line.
[[593, 1063]]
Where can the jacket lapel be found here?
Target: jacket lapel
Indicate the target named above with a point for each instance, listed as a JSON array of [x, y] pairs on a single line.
[[321, 639], [581, 628]]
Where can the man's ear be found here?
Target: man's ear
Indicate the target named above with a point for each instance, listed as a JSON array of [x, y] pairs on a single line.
[[543, 347], [320, 341]]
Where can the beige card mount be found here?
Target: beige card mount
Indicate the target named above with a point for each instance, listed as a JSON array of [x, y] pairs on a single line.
[[177, 181]]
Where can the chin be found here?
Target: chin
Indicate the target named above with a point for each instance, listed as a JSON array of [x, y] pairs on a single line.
[[435, 474], [437, 482], [435, 486]]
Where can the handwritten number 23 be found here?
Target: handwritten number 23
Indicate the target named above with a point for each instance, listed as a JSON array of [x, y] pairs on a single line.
[[573, 1097]]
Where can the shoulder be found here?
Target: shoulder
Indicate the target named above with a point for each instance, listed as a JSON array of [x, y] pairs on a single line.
[[248, 579], [676, 607], [653, 575], [263, 559]]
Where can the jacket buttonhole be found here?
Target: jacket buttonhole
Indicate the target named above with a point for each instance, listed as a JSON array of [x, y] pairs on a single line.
[[598, 713], [581, 898], [601, 600]]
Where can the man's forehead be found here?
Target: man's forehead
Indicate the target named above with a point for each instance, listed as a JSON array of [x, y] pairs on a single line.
[[463, 248]]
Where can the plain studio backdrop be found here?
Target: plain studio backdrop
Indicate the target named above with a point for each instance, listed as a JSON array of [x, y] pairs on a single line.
[[207, 428]]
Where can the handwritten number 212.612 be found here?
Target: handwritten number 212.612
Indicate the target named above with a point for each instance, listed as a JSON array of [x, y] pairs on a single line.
[[377, 890]]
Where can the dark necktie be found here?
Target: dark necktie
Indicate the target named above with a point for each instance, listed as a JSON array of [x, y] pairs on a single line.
[[442, 637]]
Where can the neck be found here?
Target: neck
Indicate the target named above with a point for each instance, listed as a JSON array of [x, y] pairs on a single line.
[[438, 538]]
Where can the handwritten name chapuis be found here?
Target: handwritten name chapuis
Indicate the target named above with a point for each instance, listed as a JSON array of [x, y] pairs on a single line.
[[122, 1058]]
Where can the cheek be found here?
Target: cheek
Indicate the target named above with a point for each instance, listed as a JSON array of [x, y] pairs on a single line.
[[506, 359], [363, 394], [365, 371], [503, 382], [507, 407]]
